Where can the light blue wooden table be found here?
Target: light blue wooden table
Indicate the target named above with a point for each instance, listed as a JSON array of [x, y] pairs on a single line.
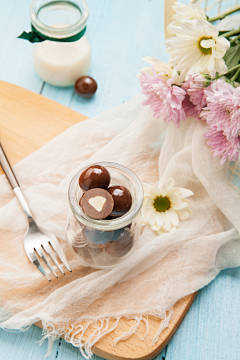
[[121, 33]]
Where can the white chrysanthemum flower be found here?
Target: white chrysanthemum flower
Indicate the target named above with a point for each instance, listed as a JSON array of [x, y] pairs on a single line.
[[164, 206], [160, 67], [196, 48], [187, 12]]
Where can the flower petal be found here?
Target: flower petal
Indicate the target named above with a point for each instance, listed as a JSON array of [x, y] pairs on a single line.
[[174, 198], [191, 27], [155, 227], [173, 216], [167, 224], [160, 218], [161, 231], [173, 228], [184, 204], [222, 43], [149, 190], [211, 64], [209, 29], [220, 66], [207, 43], [164, 190], [184, 214], [182, 192], [151, 217]]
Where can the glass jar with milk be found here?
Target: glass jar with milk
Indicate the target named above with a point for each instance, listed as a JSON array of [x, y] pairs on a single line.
[[61, 52]]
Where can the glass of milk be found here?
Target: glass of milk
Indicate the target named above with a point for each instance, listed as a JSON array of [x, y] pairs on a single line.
[[65, 55]]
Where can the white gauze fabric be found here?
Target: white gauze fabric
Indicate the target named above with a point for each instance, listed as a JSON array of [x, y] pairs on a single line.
[[161, 271]]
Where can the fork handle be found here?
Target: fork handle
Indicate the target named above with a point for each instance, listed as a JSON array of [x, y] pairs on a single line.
[[23, 203], [8, 169], [14, 182]]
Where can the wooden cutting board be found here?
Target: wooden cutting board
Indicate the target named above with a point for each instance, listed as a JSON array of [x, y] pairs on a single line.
[[27, 122]]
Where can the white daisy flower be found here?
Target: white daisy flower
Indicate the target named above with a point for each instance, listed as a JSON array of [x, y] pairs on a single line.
[[160, 67], [164, 206], [196, 48], [187, 12]]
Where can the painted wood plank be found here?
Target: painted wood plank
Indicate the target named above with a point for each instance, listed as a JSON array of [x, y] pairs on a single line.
[[23, 345], [211, 328], [161, 356], [15, 56]]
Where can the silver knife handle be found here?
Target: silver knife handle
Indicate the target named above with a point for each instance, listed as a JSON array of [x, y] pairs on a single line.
[[8, 169]]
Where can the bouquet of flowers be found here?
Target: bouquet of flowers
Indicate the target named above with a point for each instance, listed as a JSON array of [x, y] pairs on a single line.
[[201, 79]]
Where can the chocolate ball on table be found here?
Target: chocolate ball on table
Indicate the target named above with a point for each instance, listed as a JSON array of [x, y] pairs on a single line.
[[85, 86], [95, 176], [97, 203], [122, 200]]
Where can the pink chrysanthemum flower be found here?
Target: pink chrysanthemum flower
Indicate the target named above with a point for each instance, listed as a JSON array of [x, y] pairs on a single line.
[[196, 100], [204, 114], [196, 81], [189, 108], [223, 103], [164, 98], [221, 146]]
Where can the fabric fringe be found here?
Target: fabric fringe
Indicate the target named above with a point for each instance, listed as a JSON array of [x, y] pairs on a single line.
[[74, 333]]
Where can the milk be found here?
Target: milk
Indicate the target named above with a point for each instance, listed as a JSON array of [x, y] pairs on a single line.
[[62, 63]]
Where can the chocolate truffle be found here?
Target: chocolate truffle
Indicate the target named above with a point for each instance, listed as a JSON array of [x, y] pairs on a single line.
[[96, 176], [122, 245], [87, 251], [97, 203], [85, 86], [122, 200]]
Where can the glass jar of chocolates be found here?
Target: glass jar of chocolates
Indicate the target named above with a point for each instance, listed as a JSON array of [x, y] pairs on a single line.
[[104, 221]]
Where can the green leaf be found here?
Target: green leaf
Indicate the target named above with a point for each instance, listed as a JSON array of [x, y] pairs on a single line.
[[232, 56]]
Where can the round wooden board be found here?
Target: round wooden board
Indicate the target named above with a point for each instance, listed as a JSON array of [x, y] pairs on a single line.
[[27, 122]]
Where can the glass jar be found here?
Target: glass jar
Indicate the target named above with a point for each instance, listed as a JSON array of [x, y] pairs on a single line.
[[61, 60], [105, 243]]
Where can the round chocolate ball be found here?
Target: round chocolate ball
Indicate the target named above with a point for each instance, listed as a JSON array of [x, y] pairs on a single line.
[[95, 176], [97, 203], [121, 245], [87, 251], [122, 200], [85, 86]]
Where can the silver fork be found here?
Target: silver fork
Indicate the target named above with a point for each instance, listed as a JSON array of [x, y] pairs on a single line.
[[35, 239]]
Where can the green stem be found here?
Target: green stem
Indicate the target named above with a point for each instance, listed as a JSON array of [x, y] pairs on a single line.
[[235, 75], [233, 40], [232, 69], [222, 16], [231, 33]]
